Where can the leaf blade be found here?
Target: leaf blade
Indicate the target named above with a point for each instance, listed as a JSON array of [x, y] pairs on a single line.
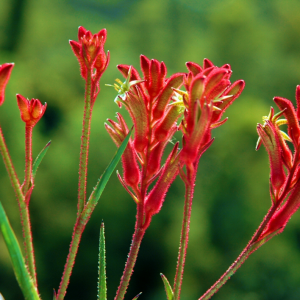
[[22, 275], [98, 189], [168, 288], [39, 159]]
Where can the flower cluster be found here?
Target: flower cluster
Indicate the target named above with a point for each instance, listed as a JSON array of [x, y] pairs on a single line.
[[155, 104], [208, 94], [154, 120], [284, 165], [92, 59]]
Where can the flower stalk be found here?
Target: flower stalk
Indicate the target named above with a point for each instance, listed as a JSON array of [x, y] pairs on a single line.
[[282, 183], [93, 61], [208, 94], [187, 211], [147, 101]]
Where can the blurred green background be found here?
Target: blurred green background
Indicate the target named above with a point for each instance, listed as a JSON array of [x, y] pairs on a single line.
[[261, 42]]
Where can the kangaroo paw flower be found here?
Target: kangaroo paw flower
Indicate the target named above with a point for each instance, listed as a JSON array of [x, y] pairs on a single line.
[[5, 71]]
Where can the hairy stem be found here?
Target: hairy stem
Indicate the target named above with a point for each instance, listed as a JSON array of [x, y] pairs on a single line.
[[83, 214], [84, 148], [132, 256], [28, 159], [248, 249], [28, 245], [189, 191], [76, 238], [10, 169], [24, 212], [241, 258]]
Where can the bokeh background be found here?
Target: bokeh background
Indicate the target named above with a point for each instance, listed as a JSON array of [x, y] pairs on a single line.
[[259, 39]]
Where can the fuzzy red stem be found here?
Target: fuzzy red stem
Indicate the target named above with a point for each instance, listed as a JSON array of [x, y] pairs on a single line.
[[10, 168], [241, 258], [84, 211], [76, 238], [24, 212], [189, 192], [84, 148], [132, 256], [248, 250], [28, 159]]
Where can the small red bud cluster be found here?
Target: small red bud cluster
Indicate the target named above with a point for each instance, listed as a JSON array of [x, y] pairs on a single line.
[[92, 59], [31, 110]]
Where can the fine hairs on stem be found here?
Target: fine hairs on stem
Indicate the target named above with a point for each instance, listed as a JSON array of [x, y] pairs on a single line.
[[191, 104]]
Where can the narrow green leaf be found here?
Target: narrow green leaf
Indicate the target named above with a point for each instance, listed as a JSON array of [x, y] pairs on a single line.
[[139, 294], [22, 275], [102, 289], [98, 189], [168, 287], [39, 158]]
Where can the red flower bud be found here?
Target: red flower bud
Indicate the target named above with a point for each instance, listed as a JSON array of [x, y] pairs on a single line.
[[157, 195], [89, 51], [290, 114], [31, 110], [5, 71], [118, 132], [271, 142]]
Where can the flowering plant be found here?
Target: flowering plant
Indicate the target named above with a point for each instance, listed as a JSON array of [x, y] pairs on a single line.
[[159, 106]]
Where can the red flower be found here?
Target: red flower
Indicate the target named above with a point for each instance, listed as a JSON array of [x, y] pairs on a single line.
[[31, 110], [89, 51], [147, 101], [5, 71], [282, 183], [209, 93]]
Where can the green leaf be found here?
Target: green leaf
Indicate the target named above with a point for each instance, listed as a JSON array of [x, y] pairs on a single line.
[[139, 294], [22, 275], [98, 189], [168, 287], [39, 158], [102, 290]]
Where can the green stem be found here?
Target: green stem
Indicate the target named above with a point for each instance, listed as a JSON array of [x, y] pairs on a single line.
[[189, 191], [10, 169], [25, 219], [28, 245], [132, 256], [84, 148]]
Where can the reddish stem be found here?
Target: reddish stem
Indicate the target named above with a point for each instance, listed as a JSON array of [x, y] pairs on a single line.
[[24, 211], [255, 242], [132, 256], [184, 237], [84, 148], [28, 159], [84, 211]]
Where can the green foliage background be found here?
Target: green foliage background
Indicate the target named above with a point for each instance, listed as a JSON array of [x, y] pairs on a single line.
[[261, 42]]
